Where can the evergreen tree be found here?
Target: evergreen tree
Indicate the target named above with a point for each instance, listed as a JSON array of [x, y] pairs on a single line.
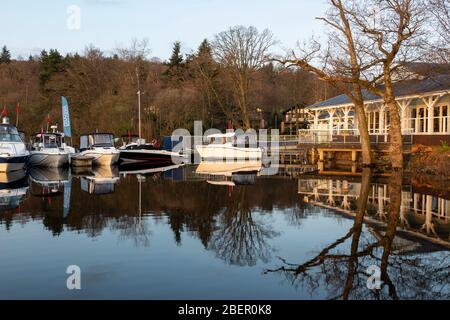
[[5, 56], [52, 62], [176, 59], [204, 50], [175, 71]]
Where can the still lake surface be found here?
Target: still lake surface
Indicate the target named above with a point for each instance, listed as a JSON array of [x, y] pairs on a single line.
[[181, 235]]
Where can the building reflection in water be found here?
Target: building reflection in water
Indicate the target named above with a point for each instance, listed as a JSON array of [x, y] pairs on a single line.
[[425, 213], [393, 243]]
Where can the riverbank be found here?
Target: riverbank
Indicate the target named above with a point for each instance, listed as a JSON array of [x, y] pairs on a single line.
[[432, 161]]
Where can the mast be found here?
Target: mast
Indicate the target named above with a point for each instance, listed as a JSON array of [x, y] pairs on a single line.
[[139, 112], [139, 102]]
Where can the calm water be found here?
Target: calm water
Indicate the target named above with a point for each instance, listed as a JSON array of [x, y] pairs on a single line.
[[175, 235]]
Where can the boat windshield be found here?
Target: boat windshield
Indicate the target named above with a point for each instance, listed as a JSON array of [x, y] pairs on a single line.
[[130, 139], [9, 134], [97, 140], [48, 140]]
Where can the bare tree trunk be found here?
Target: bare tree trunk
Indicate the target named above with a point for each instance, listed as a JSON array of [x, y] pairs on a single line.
[[366, 147], [243, 89], [395, 130]]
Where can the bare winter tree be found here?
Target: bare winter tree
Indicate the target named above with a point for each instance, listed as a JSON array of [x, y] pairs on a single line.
[[379, 35], [338, 63], [441, 11], [242, 50], [392, 32], [440, 23]]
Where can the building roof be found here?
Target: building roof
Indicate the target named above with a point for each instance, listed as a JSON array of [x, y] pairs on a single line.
[[297, 106], [433, 83]]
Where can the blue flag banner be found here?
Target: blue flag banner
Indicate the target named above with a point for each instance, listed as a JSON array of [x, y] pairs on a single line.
[[67, 192], [66, 117]]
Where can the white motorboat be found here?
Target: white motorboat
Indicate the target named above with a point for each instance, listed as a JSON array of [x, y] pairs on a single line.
[[222, 146], [13, 152], [49, 150], [99, 147]]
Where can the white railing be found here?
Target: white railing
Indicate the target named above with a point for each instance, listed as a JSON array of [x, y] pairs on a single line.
[[340, 136]]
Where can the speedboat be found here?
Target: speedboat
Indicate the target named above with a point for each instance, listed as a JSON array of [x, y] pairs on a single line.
[[13, 152], [49, 150], [222, 146], [136, 151], [99, 147]]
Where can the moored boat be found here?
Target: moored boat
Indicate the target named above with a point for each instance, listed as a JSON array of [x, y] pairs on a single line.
[[100, 147], [49, 150], [221, 146], [136, 151], [79, 160], [13, 152]]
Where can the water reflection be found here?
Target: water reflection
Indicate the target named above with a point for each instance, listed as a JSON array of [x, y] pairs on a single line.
[[405, 273], [242, 219], [13, 189], [101, 180], [241, 238]]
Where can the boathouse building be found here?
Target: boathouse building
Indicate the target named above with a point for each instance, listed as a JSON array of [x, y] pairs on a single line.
[[423, 95]]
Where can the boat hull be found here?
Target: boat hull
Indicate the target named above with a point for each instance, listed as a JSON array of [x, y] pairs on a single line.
[[102, 158], [48, 160], [154, 157], [81, 161], [221, 152], [8, 164]]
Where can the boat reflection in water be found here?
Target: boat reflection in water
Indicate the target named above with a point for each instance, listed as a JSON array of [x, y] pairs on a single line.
[[146, 168], [49, 177], [49, 182], [229, 173], [101, 180], [13, 189]]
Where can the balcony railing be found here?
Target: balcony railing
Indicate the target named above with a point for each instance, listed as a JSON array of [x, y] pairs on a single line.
[[348, 136]]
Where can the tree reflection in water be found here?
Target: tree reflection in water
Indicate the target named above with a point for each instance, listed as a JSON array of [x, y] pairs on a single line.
[[133, 228], [344, 276], [241, 239]]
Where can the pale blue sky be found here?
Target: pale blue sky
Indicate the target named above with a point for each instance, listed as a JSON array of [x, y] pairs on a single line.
[[29, 26]]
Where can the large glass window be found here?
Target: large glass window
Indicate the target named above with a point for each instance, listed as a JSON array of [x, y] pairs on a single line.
[[9, 134], [441, 119]]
